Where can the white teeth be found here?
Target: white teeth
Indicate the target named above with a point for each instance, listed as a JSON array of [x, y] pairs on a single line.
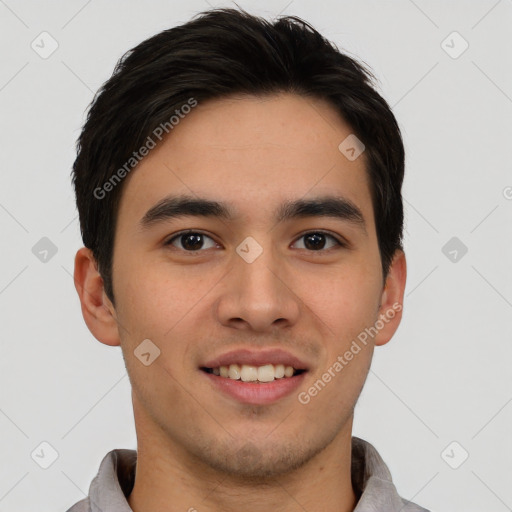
[[266, 373], [249, 373], [234, 371], [279, 369]]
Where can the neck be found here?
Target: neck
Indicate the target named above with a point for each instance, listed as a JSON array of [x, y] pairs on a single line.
[[171, 480]]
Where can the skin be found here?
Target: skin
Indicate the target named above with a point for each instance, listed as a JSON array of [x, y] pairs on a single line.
[[196, 447]]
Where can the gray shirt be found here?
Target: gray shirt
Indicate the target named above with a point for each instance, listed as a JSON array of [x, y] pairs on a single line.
[[371, 481]]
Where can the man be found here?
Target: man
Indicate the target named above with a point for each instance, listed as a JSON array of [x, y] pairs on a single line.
[[239, 190]]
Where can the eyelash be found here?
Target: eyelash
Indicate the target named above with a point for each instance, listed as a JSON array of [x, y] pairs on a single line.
[[340, 243]]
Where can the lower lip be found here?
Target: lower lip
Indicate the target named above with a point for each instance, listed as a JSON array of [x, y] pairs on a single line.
[[255, 393]]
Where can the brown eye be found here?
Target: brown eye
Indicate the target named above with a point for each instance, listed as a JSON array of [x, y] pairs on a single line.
[[191, 241], [317, 240]]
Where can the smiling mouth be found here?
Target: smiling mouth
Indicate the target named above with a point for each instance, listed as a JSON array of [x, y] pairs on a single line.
[[255, 374]]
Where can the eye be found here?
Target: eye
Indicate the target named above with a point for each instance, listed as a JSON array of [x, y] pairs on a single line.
[[191, 241], [318, 240]]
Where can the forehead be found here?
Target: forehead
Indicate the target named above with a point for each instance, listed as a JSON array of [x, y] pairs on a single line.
[[253, 153]]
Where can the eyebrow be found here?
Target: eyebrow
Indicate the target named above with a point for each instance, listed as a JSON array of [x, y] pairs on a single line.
[[172, 207]]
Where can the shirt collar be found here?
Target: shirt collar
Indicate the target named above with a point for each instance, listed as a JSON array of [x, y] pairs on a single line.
[[114, 482], [372, 480]]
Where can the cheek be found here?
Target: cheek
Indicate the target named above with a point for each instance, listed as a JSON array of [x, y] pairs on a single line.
[[154, 300], [163, 308], [346, 303], [153, 307]]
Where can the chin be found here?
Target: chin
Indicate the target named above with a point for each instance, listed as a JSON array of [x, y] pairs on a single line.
[[258, 463]]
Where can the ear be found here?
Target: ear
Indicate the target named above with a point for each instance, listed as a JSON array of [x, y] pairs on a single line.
[[97, 309], [391, 305]]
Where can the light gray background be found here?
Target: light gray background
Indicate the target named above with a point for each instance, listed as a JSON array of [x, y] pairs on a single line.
[[444, 377]]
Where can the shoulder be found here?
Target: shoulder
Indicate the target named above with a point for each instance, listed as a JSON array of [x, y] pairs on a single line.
[[409, 506]]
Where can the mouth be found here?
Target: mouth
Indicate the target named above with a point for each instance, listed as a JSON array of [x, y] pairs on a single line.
[[249, 373], [255, 377]]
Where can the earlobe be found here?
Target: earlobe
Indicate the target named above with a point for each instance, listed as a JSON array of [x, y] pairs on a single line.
[[390, 310], [98, 312]]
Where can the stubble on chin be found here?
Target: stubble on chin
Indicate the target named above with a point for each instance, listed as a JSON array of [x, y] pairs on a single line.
[[261, 463]]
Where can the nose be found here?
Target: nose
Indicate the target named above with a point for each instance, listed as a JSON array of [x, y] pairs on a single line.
[[258, 295]]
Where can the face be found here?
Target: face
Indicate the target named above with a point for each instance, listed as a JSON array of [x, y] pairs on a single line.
[[246, 282]]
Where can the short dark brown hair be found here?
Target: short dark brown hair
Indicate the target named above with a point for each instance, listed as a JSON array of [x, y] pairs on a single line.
[[220, 53]]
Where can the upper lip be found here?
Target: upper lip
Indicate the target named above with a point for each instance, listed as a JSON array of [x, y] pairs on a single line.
[[256, 358]]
